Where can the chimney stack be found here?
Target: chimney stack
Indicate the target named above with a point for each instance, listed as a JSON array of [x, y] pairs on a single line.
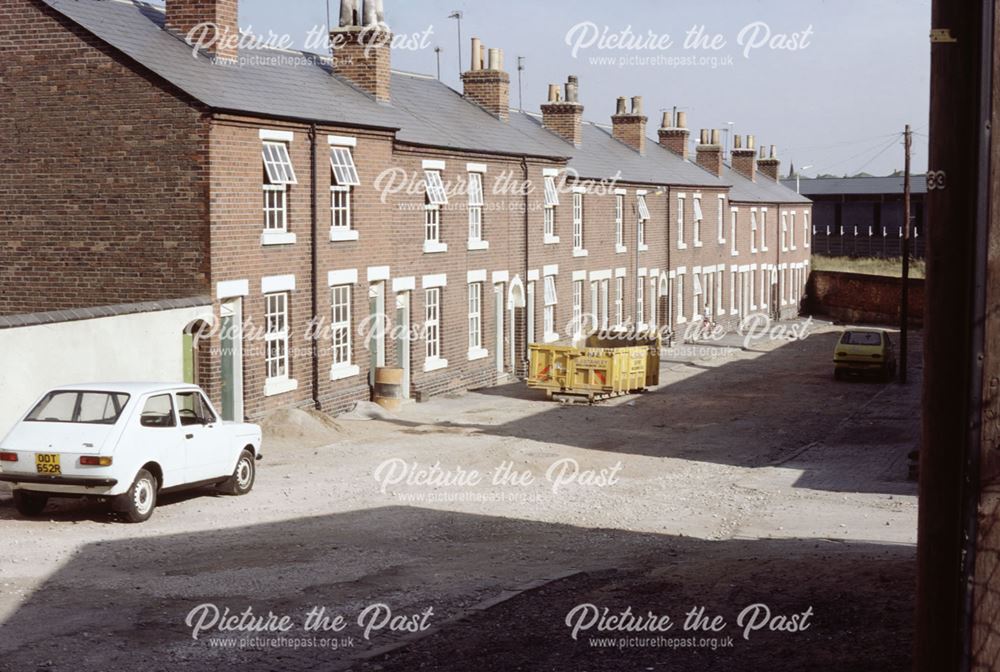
[[710, 152], [565, 117], [362, 48], [223, 15], [769, 166], [485, 82], [674, 133], [630, 127], [744, 158]]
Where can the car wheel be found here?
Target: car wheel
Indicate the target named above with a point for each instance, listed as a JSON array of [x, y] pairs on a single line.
[[29, 504], [139, 502], [242, 480]]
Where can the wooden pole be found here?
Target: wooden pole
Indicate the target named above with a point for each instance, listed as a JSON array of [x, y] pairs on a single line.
[[904, 311]]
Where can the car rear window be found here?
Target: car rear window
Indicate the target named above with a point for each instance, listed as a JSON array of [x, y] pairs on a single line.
[[92, 408], [861, 338]]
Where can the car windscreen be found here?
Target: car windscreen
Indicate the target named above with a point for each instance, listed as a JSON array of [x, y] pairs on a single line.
[[93, 408], [861, 338]]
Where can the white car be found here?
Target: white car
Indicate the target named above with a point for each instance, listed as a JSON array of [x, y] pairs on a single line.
[[125, 443]]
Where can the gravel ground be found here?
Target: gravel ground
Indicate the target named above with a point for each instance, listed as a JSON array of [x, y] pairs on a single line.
[[748, 476]]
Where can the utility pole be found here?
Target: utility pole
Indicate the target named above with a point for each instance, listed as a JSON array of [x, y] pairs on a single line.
[[904, 311]]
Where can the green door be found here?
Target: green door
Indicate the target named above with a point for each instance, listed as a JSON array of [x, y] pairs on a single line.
[[228, 368]]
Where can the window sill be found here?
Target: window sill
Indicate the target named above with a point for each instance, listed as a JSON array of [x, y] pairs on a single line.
[[733, 311], [682, 246], [275, 386], [620, 249], [342, 371], [478, 245], [722, 241], [551, 240], [339, 235], [682, 320], [434, 247], [478, 353], [763, 249], [551, 338], [277, 238], [434, 364], [734, 253], [643, 247], [580, 252], [698, 243]]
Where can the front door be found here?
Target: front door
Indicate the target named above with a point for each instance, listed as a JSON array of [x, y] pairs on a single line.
[[231, 343]]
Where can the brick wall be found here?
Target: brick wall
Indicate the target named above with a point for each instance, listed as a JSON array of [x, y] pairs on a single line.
[[105, 174], [857, 298]]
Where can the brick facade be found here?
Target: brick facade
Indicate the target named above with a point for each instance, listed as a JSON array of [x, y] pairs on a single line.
[[160, 198]]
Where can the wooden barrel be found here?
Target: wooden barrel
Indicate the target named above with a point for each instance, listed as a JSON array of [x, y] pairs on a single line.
[[389, 388]]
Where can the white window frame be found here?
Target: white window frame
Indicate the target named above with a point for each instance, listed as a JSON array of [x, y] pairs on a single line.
[[551, 299], [277, 361], [734, 215], [722, 219], [763, 230], [344, 171], [699, 217], [806, 231], [477, 203], [475, 293], [643, 217], [619, 301], [436, 192], [578, 249], [620, 224], [681, 204], [654, 287], [278, 163], [791, 228], [784, 232], [732, 291], [753, 230], [275, 208], [551, 192], [697, 294], [341, 332], [432, 328], [640, 301], [432, 230], [720, 282], [679, 298]]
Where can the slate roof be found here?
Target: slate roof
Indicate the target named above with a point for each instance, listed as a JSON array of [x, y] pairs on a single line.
[[423, 111], [764, 190], [835, 186]]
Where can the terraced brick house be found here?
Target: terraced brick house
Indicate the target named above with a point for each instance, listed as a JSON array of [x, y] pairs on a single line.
[[202, 214]]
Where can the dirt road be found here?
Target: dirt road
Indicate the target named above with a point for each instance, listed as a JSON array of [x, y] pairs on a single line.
[[463, 531]]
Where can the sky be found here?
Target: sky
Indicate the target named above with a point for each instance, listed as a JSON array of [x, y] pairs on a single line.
[[833, 87]]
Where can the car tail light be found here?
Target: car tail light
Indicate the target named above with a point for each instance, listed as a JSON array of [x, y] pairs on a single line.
[[94, 461], [8, 457]]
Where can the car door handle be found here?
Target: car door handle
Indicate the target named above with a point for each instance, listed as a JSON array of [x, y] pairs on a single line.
[[189, 436]]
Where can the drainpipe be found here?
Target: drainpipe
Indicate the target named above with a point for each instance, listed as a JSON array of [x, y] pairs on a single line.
[[527, 254], [314, 252], [670, 286]]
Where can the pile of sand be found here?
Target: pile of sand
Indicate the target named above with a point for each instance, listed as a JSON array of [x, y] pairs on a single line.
[[300, 425]]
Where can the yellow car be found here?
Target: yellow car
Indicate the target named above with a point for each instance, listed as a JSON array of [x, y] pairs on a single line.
[[864, 351]]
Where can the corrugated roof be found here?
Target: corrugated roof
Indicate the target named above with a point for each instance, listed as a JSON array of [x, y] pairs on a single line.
[[833, 186]]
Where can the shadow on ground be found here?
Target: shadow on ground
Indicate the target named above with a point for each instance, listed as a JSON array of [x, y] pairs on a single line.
[[122, 604]]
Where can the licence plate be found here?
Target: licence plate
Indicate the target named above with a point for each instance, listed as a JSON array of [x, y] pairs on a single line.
[[47, 463]]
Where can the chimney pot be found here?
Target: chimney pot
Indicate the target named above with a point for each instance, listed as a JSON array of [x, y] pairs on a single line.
[[349, 15], [494, 59], [737, 142], [668, 120], [477, 54], [370, 13], [553, 93], [715, 136], [621, 106], [774, 152], [637, 105], [682, 120], [710, 152], [751, 141]]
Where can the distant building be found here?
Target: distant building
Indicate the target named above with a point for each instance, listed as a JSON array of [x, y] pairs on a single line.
[[863, 216]]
